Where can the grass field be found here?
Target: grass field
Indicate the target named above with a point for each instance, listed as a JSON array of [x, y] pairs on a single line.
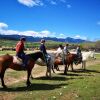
[[78, 85]]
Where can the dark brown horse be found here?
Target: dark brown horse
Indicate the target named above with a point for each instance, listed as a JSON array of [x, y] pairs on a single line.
[[69, 60], [6, 61]]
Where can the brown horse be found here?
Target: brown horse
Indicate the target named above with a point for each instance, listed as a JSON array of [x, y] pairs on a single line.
[[69, 60], [6, 61]]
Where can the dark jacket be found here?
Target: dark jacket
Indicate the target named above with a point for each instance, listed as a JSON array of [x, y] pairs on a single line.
[[43, 48]]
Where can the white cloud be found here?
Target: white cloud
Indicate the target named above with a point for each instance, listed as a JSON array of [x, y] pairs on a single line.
[[61, 36], [3, 25], [53, 3], [80, 37], [69, 6], [98, 23], [44, 33], [31, 3], [64, 1]]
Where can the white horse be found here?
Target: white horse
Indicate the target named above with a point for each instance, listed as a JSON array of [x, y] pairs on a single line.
[[50, 65], [85, 57]]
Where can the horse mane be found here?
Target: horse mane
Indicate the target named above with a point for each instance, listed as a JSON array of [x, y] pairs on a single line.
[[35, 55]]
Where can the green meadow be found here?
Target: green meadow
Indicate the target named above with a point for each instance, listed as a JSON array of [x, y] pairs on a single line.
[[77, 85]]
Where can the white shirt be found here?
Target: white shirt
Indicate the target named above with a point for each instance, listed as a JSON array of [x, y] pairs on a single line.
[[59, 50]]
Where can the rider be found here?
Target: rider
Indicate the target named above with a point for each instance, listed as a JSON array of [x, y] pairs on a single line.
[[78, 52], [66, 51], [43, 49], [60, 53], [20, 50]]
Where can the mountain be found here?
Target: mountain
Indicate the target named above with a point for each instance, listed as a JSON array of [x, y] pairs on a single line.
[[37, 39]]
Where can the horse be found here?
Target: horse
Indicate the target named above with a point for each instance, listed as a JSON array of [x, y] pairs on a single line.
[[50, 65], [85, 57], [6, 61], [69, 60]]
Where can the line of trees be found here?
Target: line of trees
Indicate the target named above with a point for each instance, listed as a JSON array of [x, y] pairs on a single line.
[[10, 45]]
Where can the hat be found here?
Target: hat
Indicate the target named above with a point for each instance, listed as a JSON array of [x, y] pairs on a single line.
[[42, 40], [23, 38]]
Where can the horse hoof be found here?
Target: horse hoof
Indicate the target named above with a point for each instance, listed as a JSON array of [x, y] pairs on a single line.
[[65, 73], [5, 87], [32, 78], [29, 85]]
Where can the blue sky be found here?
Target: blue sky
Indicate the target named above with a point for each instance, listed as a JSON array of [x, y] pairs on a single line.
[[53, 18]]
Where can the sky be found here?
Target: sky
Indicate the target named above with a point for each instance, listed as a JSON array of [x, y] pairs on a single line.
[[51, 18]]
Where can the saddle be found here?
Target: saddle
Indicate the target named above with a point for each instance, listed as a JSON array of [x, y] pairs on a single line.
[[17, 60]]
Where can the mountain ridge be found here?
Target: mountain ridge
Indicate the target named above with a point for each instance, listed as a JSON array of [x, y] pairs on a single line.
[[37, 39]]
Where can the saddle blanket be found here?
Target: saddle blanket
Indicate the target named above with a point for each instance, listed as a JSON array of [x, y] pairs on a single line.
[[17, 60]]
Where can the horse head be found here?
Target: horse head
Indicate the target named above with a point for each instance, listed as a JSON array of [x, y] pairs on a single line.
[[37, 55]]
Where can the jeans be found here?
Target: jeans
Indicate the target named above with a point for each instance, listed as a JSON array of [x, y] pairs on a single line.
[[23, 57], [47, 58]]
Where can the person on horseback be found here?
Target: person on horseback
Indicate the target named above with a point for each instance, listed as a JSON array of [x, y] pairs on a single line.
[[43, 49], [60, 53], [79, 53], [20, 51], [66, 51]]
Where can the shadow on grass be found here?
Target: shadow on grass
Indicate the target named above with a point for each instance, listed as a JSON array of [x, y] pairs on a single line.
[[72, 74], [86, 71], [33, 87], [76, 73], [54, 78]]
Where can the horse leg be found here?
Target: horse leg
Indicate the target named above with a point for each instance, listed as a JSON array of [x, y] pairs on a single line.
[[72, 67], [53, 68], [28, 83], [31, 76], [2, 79], [56, 67], [84, 65], [66, 69], [48, 72]]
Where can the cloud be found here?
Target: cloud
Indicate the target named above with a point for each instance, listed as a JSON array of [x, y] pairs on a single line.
[[44, 33], [53, 2], [64, 1], [5, 31], [98, 23], [3, 25], [61, 36], [69, 6], [31, 3], [80, 37]]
